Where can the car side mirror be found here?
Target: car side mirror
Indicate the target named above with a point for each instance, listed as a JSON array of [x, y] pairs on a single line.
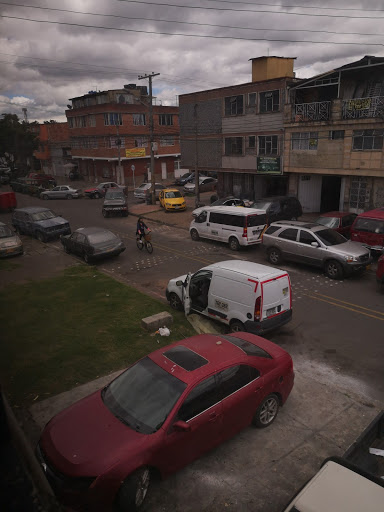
[[314, 244], [179, 283], [181, 426]]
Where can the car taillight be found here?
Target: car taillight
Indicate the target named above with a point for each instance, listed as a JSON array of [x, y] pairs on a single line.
[[257, 309], [245, 232]]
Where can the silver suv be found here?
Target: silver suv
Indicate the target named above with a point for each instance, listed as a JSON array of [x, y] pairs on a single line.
[[314, 245]]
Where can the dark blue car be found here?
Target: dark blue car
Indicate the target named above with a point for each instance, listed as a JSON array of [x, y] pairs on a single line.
[[42, 223]]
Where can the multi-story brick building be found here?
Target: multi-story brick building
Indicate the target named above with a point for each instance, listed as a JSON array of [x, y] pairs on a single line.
[[54, 153], [334, 130], [239, 130], [113, 126]]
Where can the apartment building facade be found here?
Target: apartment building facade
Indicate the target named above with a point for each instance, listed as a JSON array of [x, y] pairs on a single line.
[[239, 131], [112, 127], [334, 132], [54, 153]]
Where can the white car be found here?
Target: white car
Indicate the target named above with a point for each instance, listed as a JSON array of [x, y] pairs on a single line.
[[145, 189], [205, 184], [61, 192]]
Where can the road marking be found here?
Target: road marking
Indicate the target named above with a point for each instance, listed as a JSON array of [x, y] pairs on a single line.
[[346, 307], [351, 304]]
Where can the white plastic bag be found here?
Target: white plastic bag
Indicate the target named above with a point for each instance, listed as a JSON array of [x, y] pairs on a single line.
[[164, 331]]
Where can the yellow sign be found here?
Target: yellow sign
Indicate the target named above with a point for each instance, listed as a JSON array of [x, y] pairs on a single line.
[[135, 153], [359, 103]]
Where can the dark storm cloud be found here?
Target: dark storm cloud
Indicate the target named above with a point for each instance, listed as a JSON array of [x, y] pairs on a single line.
[[45, 64]]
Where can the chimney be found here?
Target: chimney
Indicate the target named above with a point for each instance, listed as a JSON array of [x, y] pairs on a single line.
[[267, 68]]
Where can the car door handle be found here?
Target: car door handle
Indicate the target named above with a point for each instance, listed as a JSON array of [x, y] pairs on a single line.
[[212, 416]]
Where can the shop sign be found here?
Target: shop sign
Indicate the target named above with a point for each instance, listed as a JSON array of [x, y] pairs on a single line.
[[268, 165], [135, 153]]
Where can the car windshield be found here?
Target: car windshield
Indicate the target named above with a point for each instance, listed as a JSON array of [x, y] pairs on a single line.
[[261, 204], [329, 222], [43, 215], [172, 195], [143, 396], [186, 175], [114, 195], [5, 232], [101, 236], [330, 237], [144, 186]]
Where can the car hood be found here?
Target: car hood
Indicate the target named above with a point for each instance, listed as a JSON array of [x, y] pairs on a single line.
[[174, 200], [10, 241], [92, 189], [189, 185], [56, 221], [86, 438], [350, 248], [197, 211]]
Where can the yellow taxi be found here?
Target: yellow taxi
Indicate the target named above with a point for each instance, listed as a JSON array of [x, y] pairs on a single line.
[[172, 199]]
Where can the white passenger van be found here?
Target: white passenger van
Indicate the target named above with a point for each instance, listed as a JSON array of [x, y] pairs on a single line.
[[231, 224], [243, 295]]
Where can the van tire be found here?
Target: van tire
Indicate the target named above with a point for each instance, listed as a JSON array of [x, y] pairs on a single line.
[[195, 235], [274, 255], [266, 412], [333, 269], [233, 244], [237, 326], [175, 302]]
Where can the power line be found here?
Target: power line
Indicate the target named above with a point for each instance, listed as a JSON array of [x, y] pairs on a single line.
[[298, 6], [192, 23], [251, 10], [192, 35]]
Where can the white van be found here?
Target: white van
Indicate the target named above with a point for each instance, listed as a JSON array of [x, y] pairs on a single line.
[[231, 224], [245, 296]]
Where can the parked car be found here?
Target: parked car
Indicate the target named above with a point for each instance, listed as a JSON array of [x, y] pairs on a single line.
[[185, 178], [61, 192], [93, 243], [42, 223], [339, 221], [10, 243], [115, 203], [171, 199], [160, 414], [145, 189], [380, 271], [42, 177], [244, 296], [226, 201], [234, 226], [315, 245], [100, 190], [368, 229], [279, 208], [205, 184]]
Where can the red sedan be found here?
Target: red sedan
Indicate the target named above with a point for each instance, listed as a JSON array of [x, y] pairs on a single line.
[[163, 412], [339, 221]]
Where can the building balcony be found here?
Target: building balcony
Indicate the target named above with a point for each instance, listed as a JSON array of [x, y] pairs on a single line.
[[316, 111], [358, 108]]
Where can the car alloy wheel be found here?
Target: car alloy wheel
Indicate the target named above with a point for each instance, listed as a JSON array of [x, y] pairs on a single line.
[[266, 412], [195, 235], [45, 197], [132, 493], [69, 196], [175, 302], [234, 244], [274, 256], [333, 269], [237, 326]]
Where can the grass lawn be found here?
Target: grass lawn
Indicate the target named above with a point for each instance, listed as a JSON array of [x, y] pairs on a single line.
[[68, 330], [6, 264]]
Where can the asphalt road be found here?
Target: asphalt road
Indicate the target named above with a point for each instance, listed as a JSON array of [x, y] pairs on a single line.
[[336, 332]]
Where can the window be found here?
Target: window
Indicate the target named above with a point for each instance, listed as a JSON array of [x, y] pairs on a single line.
[[141, 142], [252, 141], [165, 119], [227, 219], [70, 122], [268, 145], [201, 398], [336, 134], [369, 225], [232, 379], [233, 146], [167, 140], [177, 165], [306, 238], [115, 142], [367, 140], [270, 101], [113, 119], [138, 119], [234, 105], [252, 99], [304, 140], [289, 234], [91, 120]]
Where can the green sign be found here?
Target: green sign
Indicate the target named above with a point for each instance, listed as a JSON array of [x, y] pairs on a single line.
[[268, 165]]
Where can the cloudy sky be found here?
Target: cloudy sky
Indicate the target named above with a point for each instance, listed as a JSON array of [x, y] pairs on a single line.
[[54, 50]]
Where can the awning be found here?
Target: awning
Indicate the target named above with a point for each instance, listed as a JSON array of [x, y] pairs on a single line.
[[69, 166]]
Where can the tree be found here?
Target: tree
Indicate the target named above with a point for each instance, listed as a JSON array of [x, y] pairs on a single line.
[[17, 142]]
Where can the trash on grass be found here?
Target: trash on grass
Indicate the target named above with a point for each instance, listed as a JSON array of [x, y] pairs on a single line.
[[164, 331]]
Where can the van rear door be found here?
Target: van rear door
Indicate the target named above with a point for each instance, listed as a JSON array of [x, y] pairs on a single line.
[[276, 296], [256, 225]]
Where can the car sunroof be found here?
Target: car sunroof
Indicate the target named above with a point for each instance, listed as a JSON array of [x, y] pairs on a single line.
[[185, 358], [249, 348]]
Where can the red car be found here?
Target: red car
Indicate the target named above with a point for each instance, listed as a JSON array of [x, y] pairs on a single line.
[[368, 229], [163, 412], [100, 189], [339, 221]]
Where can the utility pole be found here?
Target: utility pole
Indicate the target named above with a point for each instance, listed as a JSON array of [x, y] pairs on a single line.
[[118, 142], [197, 181], [151, 141]]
